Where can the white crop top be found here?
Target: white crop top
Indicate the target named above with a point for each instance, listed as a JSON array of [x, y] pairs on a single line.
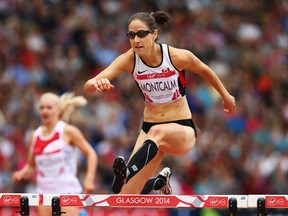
[[56, 162], [160, 84]]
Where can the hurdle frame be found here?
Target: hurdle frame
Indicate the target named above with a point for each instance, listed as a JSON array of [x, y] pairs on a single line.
[[232, 203]]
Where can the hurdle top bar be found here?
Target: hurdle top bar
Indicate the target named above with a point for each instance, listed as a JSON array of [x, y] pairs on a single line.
[[271, 201], [147, 201], [14, 199]]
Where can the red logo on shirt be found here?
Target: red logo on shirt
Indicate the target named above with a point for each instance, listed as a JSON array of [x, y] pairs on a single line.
[[41, 144], [164, 74]]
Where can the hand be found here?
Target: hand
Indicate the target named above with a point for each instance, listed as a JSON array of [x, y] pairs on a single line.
[[88, 185], [229, 104], [18, 176], [23, 174], [102, 85]]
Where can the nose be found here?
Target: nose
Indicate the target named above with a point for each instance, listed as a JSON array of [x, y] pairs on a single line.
[[43, 110], [136, 38]]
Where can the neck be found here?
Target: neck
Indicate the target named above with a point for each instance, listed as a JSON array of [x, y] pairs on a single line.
[[47, 129], [154, 57]]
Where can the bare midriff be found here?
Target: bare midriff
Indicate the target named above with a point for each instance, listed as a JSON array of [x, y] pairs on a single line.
[[175, 110]]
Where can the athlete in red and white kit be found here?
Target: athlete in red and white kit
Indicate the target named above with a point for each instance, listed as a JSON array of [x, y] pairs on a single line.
[[53, 152], [168, 128]]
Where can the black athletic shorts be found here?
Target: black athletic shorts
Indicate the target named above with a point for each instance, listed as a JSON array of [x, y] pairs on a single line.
[[186, 122]]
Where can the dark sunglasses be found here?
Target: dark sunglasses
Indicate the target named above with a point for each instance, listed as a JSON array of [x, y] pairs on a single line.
[[140, 33]]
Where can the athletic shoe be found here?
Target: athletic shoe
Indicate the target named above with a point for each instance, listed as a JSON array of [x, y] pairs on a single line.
[[120, 174], [166, 189]]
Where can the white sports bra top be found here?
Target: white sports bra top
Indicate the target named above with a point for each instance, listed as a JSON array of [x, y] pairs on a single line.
[[160, 84]]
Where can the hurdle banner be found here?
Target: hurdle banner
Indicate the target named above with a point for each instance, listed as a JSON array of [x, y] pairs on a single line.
[[165, 201], [147, 201], [232, 202], [271, 201], [14, 199]]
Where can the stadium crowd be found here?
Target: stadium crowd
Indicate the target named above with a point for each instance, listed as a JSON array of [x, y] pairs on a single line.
[[54, 45]]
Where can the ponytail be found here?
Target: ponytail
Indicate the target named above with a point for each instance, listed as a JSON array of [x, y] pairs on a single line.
[[66, 103], [161, 18]]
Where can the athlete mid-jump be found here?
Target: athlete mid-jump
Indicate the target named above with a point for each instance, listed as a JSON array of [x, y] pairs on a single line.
[[168, 128]]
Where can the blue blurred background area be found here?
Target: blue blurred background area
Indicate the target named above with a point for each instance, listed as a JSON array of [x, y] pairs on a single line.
[[54, 45]]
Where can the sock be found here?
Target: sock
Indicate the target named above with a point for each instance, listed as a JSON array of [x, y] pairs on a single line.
[[159, 182], [141, 158], [155, 183], [148, 187]]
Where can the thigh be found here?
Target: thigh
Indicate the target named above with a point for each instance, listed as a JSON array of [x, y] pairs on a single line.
[[44, 210], [73, 211], [172, 138]]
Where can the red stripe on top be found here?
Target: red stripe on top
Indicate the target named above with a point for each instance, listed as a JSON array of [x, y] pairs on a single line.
[[41, 144], [164, 74]]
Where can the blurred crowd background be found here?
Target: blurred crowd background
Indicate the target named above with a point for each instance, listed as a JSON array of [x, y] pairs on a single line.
[[54, 45]]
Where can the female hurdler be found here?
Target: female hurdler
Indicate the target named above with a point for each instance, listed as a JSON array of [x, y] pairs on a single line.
[[53, 152], [168, 128]]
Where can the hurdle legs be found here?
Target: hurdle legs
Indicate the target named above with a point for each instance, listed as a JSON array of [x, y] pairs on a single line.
[[56, 208], [25, 209], [261, 209], [24, 206], [233, 209]]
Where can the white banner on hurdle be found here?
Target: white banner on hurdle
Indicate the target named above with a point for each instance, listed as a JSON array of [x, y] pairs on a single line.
[[271, 201], [14, 199], [147, 201]]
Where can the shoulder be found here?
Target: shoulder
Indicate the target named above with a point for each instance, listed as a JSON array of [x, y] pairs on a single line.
[[178, 52], [71, 130], [181, 58], [35, 133], [31, 136], [126, 60], [74, 135], [126, 56]]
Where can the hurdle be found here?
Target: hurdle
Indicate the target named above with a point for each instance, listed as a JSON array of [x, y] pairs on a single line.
[[232, 203], [24, 201]]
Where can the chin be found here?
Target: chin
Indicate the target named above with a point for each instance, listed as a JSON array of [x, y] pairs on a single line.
[[139, 51]]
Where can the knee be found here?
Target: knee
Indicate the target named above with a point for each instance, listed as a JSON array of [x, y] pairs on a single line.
[[155, 133]]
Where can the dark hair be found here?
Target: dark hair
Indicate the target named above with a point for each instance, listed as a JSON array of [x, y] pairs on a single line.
[[154, 20]]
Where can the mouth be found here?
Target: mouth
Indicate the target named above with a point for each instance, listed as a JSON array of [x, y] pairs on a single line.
[[138, 47]]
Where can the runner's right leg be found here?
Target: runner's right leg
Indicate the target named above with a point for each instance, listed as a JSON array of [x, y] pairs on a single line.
[[161, 182]]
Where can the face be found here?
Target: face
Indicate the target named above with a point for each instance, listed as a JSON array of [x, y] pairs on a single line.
[[141, 43], [49, 111]]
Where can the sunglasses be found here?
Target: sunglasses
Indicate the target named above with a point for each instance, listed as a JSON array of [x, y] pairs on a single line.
[[140, 33]]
